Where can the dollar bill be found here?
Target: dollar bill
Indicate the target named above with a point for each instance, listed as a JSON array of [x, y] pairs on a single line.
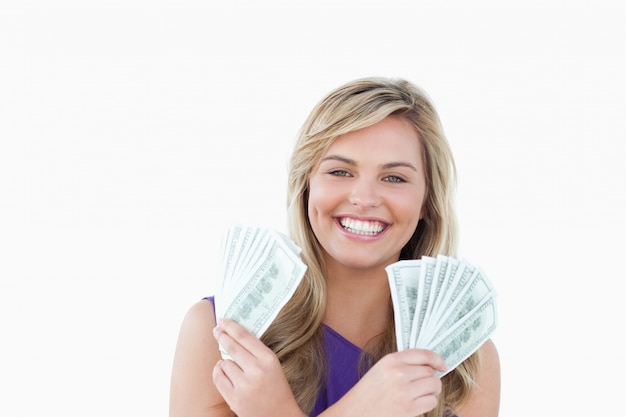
[[427, 274], [458, 282], [467, 335], [453, 265], [449, 306], [228, 250], [261, 270], [477, 288], [403, 282], [439, 276]]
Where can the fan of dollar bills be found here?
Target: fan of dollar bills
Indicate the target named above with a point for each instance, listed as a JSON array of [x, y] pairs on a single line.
[[260, 270], [440, 304]]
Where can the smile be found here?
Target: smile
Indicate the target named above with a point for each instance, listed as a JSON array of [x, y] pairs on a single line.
[[362, 227]]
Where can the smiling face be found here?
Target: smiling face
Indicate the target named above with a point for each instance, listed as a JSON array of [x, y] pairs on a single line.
[[366, 195]]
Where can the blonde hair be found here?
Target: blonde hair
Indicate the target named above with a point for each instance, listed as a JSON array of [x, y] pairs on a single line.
[[296, 335]]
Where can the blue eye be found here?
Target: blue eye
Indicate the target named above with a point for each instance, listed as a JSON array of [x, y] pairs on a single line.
[[394, 178], [339, 173]]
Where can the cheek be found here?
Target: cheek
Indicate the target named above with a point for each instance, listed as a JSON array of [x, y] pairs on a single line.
[[409, 212], [311, 211], [313, 205], [315, 213], [318, 199]]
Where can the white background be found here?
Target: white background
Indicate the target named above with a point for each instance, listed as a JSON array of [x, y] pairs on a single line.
[[132, 132]]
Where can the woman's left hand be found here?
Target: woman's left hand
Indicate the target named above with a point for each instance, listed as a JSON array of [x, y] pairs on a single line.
[[252, 382]]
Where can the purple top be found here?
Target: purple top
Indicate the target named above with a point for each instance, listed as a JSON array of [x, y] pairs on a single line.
[[343, 369]]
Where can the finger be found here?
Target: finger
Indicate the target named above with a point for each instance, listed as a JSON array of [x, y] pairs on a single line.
[[232, 372], [425, 403], [244, 338], [424, 357], [234, 329], [221, 380], [425, 387], [230, 344], [417, 372]]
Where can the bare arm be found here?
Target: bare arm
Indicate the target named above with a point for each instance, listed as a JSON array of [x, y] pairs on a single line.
[[192, 391], [485, 400]]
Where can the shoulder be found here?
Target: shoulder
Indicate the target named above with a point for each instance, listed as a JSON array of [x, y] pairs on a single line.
[[489, 357], [192, 392], [485, 399], [195, 337], [202, 314], [198, 322]]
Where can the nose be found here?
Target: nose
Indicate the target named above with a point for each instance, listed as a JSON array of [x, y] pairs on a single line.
[[365, 193]]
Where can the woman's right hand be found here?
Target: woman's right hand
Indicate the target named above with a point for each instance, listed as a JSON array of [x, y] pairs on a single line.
[[400, 384]]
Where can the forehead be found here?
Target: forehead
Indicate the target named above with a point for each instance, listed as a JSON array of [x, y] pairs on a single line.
[[393, 138]]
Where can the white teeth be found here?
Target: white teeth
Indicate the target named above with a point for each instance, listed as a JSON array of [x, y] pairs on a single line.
[[362, 227]]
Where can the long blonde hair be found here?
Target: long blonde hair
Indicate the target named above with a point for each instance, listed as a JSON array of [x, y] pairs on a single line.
[[296, 336]]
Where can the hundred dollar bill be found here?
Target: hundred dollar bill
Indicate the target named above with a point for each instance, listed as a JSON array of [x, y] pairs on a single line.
[[448, 305], [468, 335], [403, 283], [451, 269], [290, 243], [248, 252], [439, 276], [427, 274], [228, 248], [261, 295], [475, 291], [242, 250], [251, 256], [462, 274]]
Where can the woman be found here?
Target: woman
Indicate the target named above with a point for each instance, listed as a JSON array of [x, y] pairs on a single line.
[[371, 182]]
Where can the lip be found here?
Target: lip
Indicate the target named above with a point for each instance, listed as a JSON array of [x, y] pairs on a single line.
[[357, 236]]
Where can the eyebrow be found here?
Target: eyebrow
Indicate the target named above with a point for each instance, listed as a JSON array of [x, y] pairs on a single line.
[[384, 166]]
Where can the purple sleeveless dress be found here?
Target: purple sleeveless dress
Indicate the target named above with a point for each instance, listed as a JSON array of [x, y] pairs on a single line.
[[342, 372]]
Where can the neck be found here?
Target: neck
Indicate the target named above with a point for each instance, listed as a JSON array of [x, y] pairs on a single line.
[[358, 303]]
